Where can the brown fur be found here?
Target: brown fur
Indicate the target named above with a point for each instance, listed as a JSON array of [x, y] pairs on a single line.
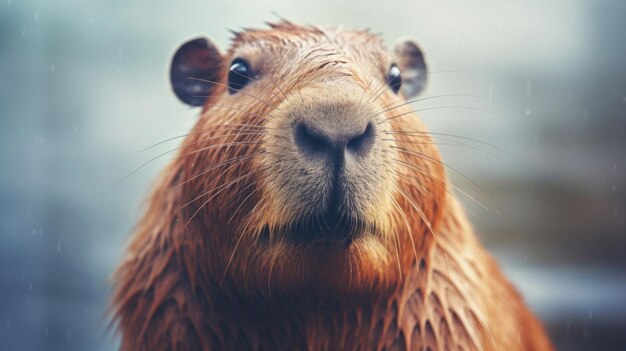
[[199, 275]]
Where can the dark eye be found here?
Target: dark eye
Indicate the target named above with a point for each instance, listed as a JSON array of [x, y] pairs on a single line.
[[393, 78], [239, 75]]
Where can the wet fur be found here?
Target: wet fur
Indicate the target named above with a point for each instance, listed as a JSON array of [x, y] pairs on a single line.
[[202, 274]]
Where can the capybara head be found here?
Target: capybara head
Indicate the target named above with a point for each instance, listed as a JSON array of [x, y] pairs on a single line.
[[307, 171]]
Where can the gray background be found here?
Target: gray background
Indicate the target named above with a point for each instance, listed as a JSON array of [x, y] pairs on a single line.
[[83, 87]]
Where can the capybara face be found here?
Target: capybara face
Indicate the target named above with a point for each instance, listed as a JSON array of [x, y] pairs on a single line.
[[307, 170]]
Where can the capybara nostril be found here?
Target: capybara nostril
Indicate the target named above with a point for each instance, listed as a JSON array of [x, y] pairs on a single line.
[[333, 141], [361, 144], [310, 141]]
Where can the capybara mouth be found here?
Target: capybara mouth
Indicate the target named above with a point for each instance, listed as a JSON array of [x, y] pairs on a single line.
[[328, 228]]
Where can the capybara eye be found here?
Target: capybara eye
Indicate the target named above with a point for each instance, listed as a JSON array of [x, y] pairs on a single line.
[[239, 75], [393, 78]]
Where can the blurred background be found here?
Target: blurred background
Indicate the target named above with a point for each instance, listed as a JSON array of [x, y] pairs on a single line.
[[84, 87]]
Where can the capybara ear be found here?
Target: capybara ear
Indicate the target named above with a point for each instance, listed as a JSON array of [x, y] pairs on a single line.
[[410, 59], [196, 67]]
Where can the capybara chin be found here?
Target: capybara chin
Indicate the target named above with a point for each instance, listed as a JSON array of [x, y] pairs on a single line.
[[308, 209]]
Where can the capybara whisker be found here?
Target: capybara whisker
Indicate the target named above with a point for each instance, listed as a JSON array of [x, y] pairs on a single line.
[[269, 78], [229, 144], [408, 227], [447, 166], [383, 86], [449, 142], [397, 246], [435, 135], [264, 102], [412, 180], [370, 78], [425, 173], [242, 201], [391, 106], [217, 190], [259, 130], [260, 116], [449, 107], [220, 187], [220, 164], [419, 210]]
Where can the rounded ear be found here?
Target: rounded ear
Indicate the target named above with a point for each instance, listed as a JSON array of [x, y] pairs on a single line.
[[410, 59], [194, 64]]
